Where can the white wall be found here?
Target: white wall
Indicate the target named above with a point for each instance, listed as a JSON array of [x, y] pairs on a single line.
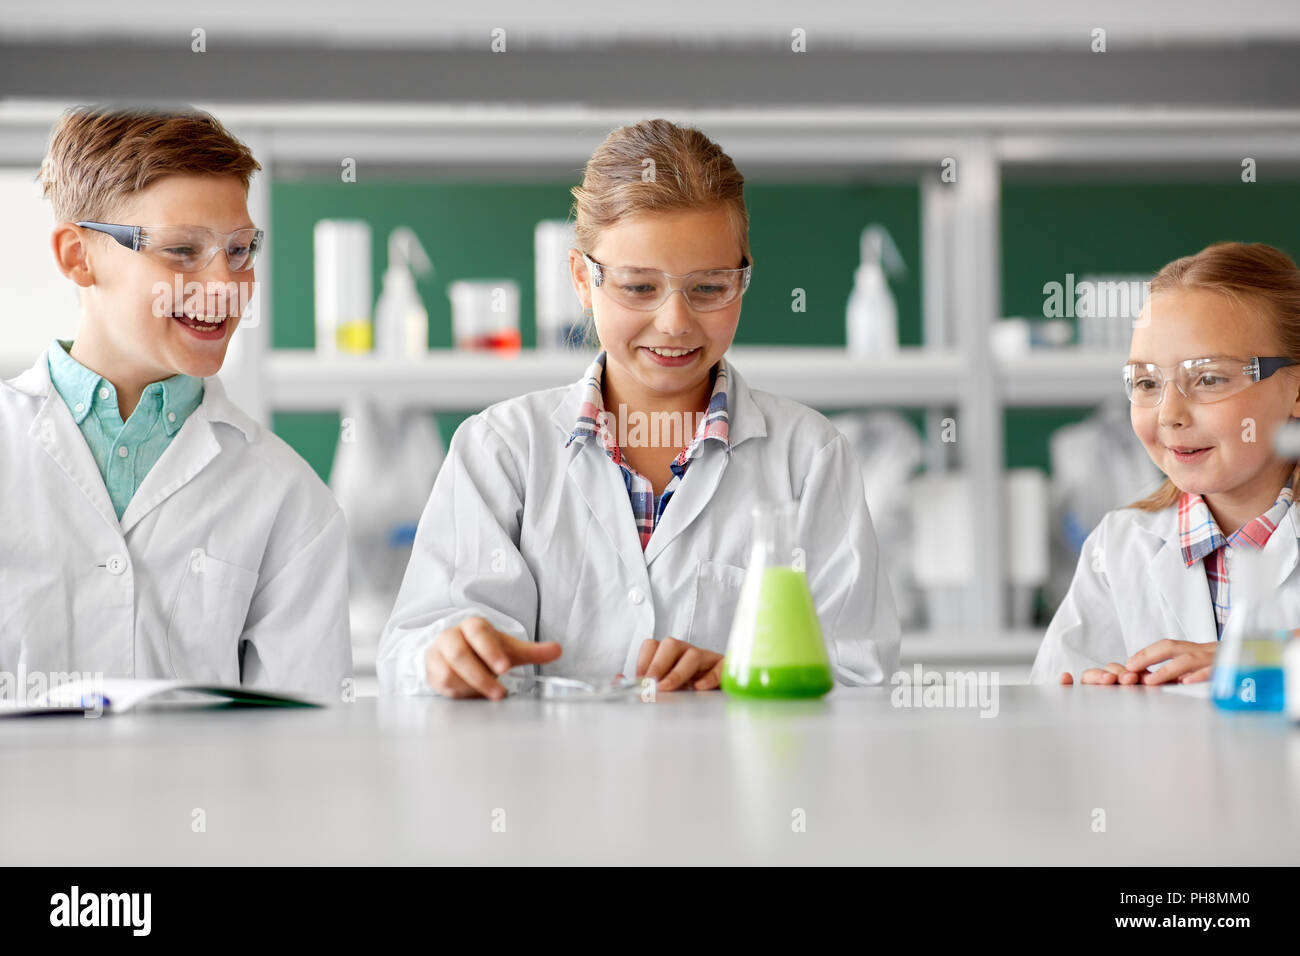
[[39, 303]]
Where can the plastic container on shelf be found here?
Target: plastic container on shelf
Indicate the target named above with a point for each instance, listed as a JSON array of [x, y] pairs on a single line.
[[485, 315], [944, 551], [560, 322], [342, 286]]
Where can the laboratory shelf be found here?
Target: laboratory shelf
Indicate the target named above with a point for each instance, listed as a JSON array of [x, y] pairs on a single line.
[[828, 378], [1068, 376], [302, 380]]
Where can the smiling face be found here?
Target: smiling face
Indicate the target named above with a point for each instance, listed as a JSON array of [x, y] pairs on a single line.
[[662, 358], [130, 333], [1212, 449]]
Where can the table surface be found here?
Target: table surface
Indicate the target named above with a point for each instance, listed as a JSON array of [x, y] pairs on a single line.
[[690, 778]]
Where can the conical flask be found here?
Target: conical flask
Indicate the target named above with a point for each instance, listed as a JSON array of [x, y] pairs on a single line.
[[1248, 661], [776, 647]]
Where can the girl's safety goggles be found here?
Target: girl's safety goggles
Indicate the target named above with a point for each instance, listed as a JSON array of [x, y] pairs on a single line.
[[647, 289], [186, 248], [1201, 380]]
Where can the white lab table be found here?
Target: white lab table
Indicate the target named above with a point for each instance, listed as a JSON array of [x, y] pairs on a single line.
[[691, 778]]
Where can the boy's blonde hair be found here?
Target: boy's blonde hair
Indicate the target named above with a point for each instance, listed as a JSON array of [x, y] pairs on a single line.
[[100, 156], [657, 166], [1256, 276]]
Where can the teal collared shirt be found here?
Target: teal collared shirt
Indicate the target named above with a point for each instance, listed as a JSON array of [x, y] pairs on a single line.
[[124, 451]]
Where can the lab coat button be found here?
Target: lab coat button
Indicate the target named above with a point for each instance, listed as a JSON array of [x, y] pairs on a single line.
[[116, 564], [636, 595]]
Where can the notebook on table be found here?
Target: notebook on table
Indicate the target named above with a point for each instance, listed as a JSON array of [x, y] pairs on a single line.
[[119, 695]]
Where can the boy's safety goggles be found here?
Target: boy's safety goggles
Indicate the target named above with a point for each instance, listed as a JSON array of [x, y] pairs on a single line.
[[1200, 380], [186, 248], [647, 289]]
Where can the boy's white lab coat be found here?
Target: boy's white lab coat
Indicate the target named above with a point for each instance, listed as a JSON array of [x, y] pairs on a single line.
[[1131, 589], [229, 564], [540, 540]]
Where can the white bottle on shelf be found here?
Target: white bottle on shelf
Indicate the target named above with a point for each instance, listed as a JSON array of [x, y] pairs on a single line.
[[871, 323], [342, 285], [401, 320], [560, 322]]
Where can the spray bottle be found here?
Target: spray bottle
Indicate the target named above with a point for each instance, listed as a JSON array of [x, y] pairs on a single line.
[[401, 321], [872, 315]]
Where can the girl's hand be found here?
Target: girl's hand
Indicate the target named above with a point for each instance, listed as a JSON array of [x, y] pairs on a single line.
[[465, 660], [1111, 673], [1189, 661], [676, 664]]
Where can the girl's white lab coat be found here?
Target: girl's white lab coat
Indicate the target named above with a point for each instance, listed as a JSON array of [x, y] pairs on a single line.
[[539, 539], [229, 564], [1131, 589]]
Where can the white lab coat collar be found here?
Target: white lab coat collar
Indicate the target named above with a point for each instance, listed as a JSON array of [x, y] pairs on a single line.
[[1183, 588], [35, 382], [55, 430], [586, 469]]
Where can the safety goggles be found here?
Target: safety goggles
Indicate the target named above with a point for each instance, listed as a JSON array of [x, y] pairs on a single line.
[[1200, 380], [645, 290], [186, 248]]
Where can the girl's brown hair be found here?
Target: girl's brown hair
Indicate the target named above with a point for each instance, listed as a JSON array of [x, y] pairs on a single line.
[[99, 156], [1249, 274], [657, 166]]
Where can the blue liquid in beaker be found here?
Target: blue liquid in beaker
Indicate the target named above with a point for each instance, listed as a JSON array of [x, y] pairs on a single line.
[[1258, 689]]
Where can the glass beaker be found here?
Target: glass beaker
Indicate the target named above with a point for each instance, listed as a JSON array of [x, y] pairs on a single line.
[[776, 647], [1248, 662]]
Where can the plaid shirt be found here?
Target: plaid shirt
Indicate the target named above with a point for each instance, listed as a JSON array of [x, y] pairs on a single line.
[[1201, 540], [592, 421]]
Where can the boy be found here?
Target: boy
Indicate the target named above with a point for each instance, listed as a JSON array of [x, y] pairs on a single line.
[[148, 527]]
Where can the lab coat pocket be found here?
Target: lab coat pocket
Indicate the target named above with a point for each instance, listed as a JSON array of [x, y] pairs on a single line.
[[717, 591], [207, 619]]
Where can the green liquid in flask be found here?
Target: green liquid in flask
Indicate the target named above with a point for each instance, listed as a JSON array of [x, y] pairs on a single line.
[[787, 656]]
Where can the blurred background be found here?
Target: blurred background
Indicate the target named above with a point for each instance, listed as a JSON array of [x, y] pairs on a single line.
[[953, 215]]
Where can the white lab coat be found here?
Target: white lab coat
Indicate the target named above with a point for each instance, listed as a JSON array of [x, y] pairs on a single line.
[[229, 564], [1131, 589], [539, 539]]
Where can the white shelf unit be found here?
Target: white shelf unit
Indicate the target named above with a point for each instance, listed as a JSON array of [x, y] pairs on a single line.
[[299, 380], [955, 374]]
